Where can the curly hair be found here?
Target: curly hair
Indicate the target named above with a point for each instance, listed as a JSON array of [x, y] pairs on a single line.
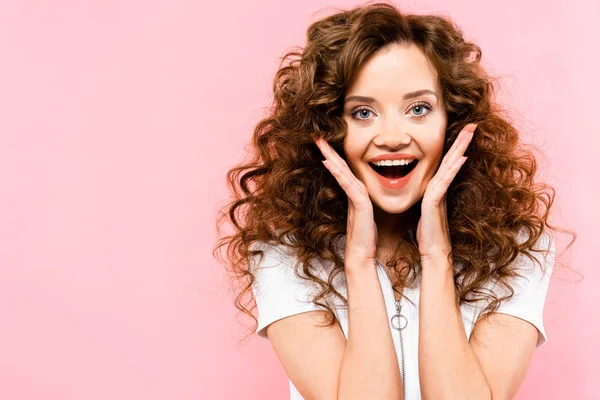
[[288, 197]]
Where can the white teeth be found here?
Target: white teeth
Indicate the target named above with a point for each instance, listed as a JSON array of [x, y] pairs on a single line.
[[389, 163]]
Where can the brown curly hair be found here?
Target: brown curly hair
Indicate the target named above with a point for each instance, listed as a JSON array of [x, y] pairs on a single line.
[[288, 197]]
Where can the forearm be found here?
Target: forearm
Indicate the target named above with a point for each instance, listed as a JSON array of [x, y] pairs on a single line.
[[369, 367], [448, 368]]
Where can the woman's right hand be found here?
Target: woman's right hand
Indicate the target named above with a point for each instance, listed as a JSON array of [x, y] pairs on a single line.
[[361, 231]]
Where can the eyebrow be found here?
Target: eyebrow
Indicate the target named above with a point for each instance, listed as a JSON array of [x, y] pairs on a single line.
[[407, 96]]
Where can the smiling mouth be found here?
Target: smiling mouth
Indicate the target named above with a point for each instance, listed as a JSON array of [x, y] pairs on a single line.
[[394, 171]]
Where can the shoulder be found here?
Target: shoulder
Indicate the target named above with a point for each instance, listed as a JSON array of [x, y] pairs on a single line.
[[281, 260], [537, 265], [526, 292], [280, 287]]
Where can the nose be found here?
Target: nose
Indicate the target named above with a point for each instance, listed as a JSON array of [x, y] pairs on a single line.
[[393, 134]]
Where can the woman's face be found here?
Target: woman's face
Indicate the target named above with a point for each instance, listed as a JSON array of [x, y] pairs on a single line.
[[390, 118]]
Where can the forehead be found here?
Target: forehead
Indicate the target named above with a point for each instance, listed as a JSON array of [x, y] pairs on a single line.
[[397, 68]]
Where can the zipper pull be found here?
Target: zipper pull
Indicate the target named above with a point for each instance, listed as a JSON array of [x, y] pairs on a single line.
[[398, 321]]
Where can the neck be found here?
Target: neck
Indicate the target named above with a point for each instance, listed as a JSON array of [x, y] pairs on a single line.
[[391, 228]]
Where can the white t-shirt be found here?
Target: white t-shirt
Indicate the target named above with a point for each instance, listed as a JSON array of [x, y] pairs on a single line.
[[279, 293]]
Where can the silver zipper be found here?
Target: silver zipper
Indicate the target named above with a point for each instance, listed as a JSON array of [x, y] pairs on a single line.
[[397, 321]]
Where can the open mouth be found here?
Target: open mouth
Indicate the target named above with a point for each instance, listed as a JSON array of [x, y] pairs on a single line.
[[394, 171]]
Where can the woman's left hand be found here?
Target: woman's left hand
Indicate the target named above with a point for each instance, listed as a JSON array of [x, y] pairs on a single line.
[[433, 234]]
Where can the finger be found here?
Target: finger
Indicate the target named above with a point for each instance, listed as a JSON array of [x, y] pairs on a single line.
[[343, 175], [459, 146], [441, 182], [353, 192], [330, 153], [338, 162], [447, 178]]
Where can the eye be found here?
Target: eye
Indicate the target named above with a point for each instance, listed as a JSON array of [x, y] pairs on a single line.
[[361, 112], [422, 108]]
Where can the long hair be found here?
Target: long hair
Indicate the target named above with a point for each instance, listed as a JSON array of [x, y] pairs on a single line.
[[284, 194]]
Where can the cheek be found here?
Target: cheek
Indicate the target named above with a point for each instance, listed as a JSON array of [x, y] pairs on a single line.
[[438, 145], [435, 154], [350, 156], [434, 147], [355, 146], [354, 154]]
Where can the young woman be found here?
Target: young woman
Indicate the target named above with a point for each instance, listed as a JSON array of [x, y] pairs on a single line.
[[394, 241]]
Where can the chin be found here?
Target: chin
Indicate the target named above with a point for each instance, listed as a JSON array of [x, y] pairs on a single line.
[[395, 205]]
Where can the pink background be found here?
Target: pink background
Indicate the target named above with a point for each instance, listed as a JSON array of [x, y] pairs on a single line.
[[118, 121]]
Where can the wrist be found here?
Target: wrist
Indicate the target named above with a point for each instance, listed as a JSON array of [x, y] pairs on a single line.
[[357, 263], [436, 253], [437, 261]]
